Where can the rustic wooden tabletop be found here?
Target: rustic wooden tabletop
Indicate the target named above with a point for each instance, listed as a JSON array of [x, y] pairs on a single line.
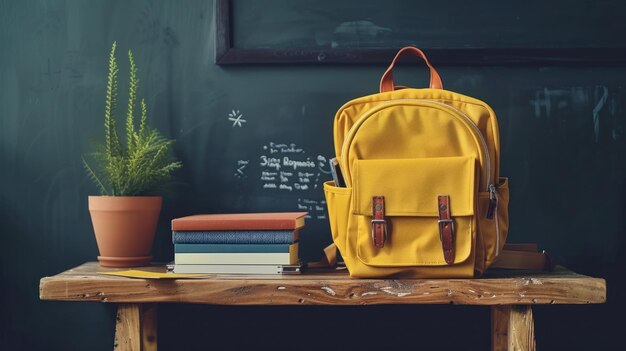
[[331, 287]]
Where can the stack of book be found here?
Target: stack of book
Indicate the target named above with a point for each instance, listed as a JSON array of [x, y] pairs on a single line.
[[241, 243]]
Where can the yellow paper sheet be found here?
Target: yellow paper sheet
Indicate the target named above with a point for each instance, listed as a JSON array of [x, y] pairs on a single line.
[[134, 273]]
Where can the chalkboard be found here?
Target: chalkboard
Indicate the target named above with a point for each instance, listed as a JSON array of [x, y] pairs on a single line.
[[461, 32], [563, 134]]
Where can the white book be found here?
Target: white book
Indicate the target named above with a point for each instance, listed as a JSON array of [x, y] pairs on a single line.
[[236, 268], [275, 258]]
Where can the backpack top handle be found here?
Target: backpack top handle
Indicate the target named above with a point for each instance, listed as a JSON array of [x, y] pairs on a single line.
[[386, 82]]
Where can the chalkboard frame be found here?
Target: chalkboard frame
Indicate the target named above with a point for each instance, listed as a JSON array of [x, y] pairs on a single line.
[[226, 54]]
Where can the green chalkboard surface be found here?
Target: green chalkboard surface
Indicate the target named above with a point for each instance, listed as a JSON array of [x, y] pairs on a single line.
[[438, 24], [458, 33], [258, 138]]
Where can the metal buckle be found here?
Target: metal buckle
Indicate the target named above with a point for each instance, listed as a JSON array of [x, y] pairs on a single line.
[[441, 223], [384, 223]]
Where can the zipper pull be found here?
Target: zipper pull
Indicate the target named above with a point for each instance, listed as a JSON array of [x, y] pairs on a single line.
[[493, 201]]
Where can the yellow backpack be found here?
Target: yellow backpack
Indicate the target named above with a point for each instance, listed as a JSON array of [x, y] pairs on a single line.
[[423, 195]]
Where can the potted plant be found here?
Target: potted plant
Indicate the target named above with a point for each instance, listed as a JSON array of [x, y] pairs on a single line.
[[128, 174]]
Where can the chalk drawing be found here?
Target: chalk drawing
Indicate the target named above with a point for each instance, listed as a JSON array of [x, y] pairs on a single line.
[[322, 164], [568, 103], [241, 165], [237, 118], [596, 110], [358, 34], [542, 100]]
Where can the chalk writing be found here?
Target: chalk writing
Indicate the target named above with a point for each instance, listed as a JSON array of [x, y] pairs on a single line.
[[316, 208], [282, 148], [270, 162], [286, 168], [301, 186], [287, 162]]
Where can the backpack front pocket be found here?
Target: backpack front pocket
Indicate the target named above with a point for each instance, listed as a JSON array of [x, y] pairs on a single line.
[[423, 207]]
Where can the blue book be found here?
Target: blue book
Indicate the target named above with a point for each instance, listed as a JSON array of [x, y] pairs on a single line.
[[235, 237], [231, 248]]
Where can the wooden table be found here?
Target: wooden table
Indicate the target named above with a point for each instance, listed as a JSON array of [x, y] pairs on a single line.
[[510, 295]]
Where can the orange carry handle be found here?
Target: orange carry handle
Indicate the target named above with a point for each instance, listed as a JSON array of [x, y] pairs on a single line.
[[386, 82]]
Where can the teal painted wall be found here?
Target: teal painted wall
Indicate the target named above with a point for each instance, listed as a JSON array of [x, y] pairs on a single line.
[[562, 131]]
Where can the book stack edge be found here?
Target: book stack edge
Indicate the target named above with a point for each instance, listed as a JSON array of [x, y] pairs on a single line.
[[246, 243]]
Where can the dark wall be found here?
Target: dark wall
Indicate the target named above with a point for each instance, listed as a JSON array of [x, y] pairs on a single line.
[[563, 142]]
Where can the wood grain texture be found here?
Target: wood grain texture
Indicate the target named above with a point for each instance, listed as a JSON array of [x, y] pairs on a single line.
[[149, 327], [84, 283], [512, 328], [521, 329], [128, 328], [500, 327], [136, 327], [222, 30]]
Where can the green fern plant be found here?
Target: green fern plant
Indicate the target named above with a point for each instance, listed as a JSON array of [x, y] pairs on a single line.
[[143, 165]]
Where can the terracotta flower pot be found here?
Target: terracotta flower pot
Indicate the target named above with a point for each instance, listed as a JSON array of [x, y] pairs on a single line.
[[124, 227]]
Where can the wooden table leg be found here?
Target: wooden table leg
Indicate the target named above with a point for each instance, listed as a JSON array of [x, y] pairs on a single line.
[[512, 328], [136, 327]]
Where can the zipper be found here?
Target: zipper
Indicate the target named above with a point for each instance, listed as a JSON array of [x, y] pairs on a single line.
[[493, 202], [492, 211], [480, 136], [469, 121]]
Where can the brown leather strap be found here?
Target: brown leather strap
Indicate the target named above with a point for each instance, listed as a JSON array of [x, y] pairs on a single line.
[[514, 256], [379, 223], [446, 228], [521, 247], [386, 82], [329, 259], [530, 260]]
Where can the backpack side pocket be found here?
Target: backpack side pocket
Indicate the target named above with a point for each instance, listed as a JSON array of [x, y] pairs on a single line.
[[338, 201]]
